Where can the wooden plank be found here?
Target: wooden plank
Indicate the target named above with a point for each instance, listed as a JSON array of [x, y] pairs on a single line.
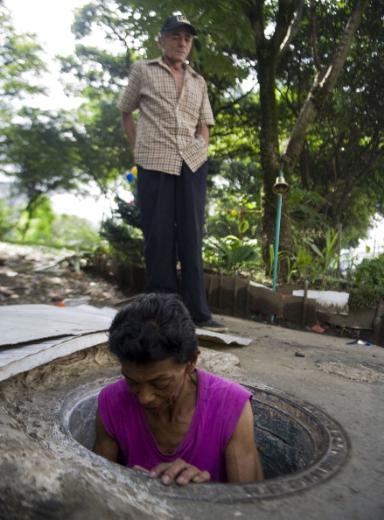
[[378, 324], [360, 319], [234, 301], [264, 301], [221, 291], [293, 309]]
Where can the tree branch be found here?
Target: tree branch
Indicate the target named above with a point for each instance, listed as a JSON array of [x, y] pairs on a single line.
[[314, 38], [293, 26], [321, 89], [225, 107]]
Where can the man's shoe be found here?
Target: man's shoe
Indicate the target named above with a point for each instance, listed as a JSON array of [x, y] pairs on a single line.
[[212, 325]]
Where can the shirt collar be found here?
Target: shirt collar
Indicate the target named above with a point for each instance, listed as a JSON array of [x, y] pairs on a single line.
[[159, 61]]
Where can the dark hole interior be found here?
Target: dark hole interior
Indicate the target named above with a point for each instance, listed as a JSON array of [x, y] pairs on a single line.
[[288, 436]]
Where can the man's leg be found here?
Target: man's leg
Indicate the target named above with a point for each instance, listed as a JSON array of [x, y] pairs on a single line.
[[156, 200], [190, 205]]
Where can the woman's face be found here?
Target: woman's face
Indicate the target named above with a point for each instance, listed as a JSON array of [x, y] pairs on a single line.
[[157, 384]]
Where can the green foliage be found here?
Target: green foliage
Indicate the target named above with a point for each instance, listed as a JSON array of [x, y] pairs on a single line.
[[302, 266], [234, 199], [35, 224], [231, 254], [39, 153], [128, 212], [314, 262], [6, 219], [365, 297], [328, 255], [98, 76], [72, 232], [137, 24], [304, 207], [41, 226], [123, 232], [96, 72], [126, 243], [369, 280], [343, 159], [101, 147], [370, 272]]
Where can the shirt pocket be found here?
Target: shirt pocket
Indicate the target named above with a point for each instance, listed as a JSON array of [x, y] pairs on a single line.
[[159, 95], [191, 99]]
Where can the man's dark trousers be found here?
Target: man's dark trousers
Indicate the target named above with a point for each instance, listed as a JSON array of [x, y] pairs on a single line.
[[172, 218]]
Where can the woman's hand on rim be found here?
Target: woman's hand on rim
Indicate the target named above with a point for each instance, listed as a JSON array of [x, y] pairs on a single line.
[[180, 472]]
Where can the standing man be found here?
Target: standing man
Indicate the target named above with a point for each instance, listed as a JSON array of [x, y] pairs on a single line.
[[170, 145]]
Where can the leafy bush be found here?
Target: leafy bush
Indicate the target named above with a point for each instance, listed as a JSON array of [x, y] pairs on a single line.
[[370, 272], [365, 297], [6, 217], [41, 226], [126, 241], [231, 254], [35, 223], [317, 264], [369, 279], [73, 232], [123, 232]]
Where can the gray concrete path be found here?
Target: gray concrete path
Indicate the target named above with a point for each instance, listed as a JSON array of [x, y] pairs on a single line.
[[347, 382]]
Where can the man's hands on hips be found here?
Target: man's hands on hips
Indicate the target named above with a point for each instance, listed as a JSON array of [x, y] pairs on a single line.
[[177, 471]]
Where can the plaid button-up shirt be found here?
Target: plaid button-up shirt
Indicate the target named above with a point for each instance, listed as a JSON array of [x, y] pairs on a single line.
[[166, 129]]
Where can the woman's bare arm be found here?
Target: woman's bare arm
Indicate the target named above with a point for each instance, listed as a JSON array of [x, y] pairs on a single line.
[[241, 455], [104, 444]]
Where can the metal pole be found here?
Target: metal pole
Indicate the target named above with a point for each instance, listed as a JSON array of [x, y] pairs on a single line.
[[277, 240]]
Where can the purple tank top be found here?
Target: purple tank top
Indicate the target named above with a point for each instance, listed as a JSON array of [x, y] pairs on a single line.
[[218, 408]]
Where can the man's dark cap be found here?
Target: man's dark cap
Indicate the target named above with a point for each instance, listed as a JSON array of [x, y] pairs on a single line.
[[175, 22]]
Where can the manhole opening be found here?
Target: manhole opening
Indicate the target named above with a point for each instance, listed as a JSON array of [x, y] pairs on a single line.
[[299, 444]]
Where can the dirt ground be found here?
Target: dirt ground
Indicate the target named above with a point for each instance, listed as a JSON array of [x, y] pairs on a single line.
[[41, 275]]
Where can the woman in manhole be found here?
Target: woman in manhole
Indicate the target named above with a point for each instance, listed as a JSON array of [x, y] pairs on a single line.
[[165, 417]]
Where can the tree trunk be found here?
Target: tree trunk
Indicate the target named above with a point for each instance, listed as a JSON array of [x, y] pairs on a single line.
[[269, 144], [268, 53], [30, 208]]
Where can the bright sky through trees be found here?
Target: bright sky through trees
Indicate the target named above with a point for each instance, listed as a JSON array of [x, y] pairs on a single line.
[[51, 21]]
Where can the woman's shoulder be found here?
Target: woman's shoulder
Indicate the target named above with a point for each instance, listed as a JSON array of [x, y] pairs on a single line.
[[114, 391], [219, 386], [222, 402]]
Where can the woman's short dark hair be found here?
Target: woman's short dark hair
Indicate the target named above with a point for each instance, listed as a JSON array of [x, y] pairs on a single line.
[[153, 327]]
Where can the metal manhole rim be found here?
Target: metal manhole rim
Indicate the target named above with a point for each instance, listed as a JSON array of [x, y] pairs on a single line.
[[322, 469]]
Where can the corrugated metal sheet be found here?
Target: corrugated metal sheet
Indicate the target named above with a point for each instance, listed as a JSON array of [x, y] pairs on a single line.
[[21, 324]]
